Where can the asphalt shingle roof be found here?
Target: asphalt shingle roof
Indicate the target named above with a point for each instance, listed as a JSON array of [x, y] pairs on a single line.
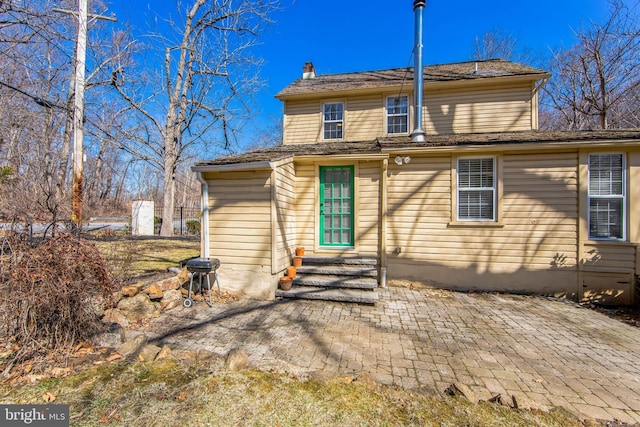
[[471, 70], [390, 143]]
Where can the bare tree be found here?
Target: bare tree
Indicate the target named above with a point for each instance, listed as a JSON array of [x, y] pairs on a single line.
[[495, 44], [207, 71], [596, 81], [36, 99]]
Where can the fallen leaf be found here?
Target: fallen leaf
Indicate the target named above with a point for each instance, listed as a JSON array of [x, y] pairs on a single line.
[[58, 372], [76, 416], [114, 356], [182, 396], [49, 397]]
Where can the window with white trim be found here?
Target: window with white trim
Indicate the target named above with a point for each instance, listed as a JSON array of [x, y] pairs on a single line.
[[476, 189], [607, 185], [397, 115], [333, 120]]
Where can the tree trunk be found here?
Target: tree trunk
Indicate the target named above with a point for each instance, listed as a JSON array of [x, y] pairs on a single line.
[[169, 184]]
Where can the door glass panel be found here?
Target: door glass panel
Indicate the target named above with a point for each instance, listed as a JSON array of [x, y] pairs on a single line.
[[345, 190]]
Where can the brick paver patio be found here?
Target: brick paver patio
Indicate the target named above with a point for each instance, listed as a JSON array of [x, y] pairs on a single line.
[[545, 352]]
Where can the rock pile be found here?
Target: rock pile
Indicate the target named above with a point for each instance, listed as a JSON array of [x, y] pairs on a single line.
[[138, 302]]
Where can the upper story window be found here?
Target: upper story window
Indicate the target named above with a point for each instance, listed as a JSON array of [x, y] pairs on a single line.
[[606, 196], [333, 120], [476, 189], [397, 115]]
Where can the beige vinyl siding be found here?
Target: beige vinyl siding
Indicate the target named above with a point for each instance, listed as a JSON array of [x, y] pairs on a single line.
[[419, 207], [285, 216], [305, 206], [368, 208], [540, 203], [537, 232], [486, 109], [302, 122], [240, 217], [453, 110], [608, 257], [364, 118]]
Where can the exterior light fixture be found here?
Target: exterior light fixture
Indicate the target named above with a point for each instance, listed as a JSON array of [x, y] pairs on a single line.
[[399, 160]]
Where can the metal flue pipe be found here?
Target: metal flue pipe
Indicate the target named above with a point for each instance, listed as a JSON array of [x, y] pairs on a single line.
[[417, 135]]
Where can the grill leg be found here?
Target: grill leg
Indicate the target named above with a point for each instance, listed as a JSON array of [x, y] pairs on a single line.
[[209, 288], [215, 279]]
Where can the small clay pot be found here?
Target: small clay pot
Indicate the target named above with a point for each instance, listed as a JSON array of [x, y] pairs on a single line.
[[291, 272], [285, 283], [300, 251], [297, 261]]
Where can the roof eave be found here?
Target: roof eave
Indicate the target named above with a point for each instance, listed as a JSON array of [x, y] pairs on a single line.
[[235, 167]]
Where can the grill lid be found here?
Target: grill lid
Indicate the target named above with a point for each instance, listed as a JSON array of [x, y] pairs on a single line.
[[202, 265]]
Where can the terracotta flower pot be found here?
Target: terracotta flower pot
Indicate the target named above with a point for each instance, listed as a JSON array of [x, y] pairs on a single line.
[[297, 261], [285, 283], [300, 251], [291, 272]]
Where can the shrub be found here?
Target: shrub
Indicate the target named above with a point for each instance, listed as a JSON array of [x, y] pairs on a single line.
[[50, 292], [193, 226]]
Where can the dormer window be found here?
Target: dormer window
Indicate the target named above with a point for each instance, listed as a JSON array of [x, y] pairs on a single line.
[[333, 120], [397, 115]]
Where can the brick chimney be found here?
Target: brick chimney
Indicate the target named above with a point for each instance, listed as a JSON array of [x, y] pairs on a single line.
[[308, 71]]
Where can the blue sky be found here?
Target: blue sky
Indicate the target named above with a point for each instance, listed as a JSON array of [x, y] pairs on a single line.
[[357, 35]]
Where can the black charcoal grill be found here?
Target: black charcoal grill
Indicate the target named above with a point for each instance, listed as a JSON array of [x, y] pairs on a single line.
[[202, 267]]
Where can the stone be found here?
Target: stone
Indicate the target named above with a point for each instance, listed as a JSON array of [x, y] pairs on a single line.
[[461, 390], [148, 353], [236, 360], [505, 400], [129, 291], [138, 307], [209, 361], [189, 358], [174, 270], [184, 276], [132, 347], [172, 299], [169, 284], [114, 315], [165, 353], [155, 293], [112, 338]]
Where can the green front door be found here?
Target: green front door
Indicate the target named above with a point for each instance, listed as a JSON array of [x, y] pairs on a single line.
[[336, 205]]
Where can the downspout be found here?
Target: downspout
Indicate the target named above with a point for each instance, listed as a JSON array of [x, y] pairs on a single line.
[[418, 74], [382, 238], [204, 223]]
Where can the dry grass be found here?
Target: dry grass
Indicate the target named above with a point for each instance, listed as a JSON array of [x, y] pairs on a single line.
[[170, 393], [138, 258]]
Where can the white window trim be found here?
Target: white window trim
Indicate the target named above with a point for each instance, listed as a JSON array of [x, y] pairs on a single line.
[[333, 121], [493, 189], [387, 115], [623, 196]]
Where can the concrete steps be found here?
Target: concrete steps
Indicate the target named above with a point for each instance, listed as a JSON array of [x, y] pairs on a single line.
[[349, 279]]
